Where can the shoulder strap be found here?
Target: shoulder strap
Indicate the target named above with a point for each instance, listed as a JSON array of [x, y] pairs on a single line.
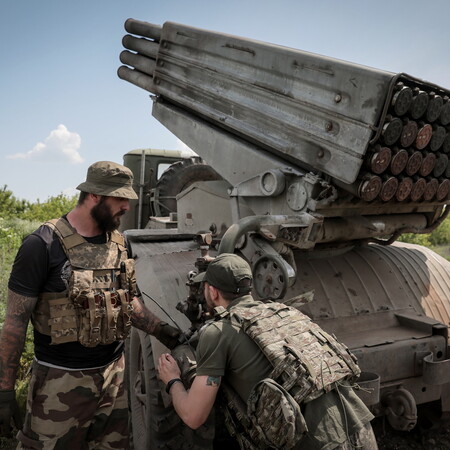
[[67, 235], [118, 238]]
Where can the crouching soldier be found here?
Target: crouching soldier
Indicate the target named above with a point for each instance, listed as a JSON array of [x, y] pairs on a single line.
[[287, 383]]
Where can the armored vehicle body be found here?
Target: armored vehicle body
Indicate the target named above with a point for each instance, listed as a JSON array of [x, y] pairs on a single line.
[[317, 166]]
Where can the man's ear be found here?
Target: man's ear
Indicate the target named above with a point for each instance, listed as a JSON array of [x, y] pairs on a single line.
[[213, 292], [95, 198]]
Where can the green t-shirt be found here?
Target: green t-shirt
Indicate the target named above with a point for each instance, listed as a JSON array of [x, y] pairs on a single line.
[[225, 350]]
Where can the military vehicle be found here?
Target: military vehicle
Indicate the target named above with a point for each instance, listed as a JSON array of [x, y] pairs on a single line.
[[318, 167]]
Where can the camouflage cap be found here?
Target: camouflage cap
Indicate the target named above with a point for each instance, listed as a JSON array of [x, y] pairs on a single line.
[[110, 179], [229, 273]]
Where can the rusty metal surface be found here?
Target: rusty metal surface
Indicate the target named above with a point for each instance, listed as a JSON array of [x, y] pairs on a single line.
[[399, 160], [404, 189], [428, 163], [389, 188], [380, 160], [414, 163]]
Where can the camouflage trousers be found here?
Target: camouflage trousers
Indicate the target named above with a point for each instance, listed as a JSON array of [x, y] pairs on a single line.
[[75, 410], [364, 439]]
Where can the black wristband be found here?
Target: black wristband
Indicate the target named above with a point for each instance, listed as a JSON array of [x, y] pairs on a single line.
[[171, 383]]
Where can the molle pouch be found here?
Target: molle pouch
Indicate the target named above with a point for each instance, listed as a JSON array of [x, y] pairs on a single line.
[[128, 276], [109, 319], [62, 319], [91, 316], [276, 415], [80, 286], [124, 314]]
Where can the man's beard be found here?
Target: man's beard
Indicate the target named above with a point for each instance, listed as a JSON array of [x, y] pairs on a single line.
[[102, 214]]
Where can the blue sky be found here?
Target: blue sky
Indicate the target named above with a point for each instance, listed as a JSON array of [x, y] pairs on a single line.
[[62, 106]]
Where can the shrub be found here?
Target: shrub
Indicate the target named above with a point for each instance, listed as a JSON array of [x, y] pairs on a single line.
[[438, 240], [52, 208]]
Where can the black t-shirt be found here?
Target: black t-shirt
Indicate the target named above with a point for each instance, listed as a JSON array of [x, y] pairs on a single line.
[[42, 266]]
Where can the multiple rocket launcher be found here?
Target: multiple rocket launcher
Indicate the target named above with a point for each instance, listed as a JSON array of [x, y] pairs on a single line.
[[380, 136]]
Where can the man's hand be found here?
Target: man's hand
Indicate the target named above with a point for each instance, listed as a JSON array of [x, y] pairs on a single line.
[[9, 412], [168, 368], [167, 335]]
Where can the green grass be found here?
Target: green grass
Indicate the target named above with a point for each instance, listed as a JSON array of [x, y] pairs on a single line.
[[443, 250], [12, 232]]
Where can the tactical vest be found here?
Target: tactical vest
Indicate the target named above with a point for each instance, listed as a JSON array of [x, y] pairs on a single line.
[[96, 308], [307, 362]]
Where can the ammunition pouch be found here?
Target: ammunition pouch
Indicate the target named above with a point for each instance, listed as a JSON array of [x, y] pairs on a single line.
[[96, 308], [103, 317], [271, 419]]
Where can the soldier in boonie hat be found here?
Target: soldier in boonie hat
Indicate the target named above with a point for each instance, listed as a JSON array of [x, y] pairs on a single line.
[[81, 262], [229, 273], [110, 179]]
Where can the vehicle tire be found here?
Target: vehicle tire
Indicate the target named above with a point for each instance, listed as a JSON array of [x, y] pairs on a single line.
[[153, 425], [176, 178]]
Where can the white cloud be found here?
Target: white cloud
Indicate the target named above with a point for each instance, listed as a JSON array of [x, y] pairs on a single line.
[[61, 145]]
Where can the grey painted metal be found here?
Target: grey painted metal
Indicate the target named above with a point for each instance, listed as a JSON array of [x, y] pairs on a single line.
[[236, 97], [435, 372], [357, 227], [141, 46], [153, 159], [191, 208], [137, 78], [162, 269], [142, 28], [216, 146], [272, 121], [373, 298], [255, 223], [297, 104], [141, 63]]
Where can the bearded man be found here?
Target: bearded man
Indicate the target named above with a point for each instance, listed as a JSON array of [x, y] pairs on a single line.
[[74, 279]]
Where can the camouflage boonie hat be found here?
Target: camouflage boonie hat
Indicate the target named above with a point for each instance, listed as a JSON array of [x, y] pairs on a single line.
[[110, 179], [229, 273]]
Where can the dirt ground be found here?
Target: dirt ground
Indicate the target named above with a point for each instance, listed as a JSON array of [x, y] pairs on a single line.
[[435, 436]]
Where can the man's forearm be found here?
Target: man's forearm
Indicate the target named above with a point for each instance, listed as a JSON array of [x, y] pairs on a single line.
[[142, 317], [180, 401], [13, 335]]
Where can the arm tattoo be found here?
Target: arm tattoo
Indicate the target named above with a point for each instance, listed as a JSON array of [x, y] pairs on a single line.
[[213, 381], [142, 317], [12, 339]]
